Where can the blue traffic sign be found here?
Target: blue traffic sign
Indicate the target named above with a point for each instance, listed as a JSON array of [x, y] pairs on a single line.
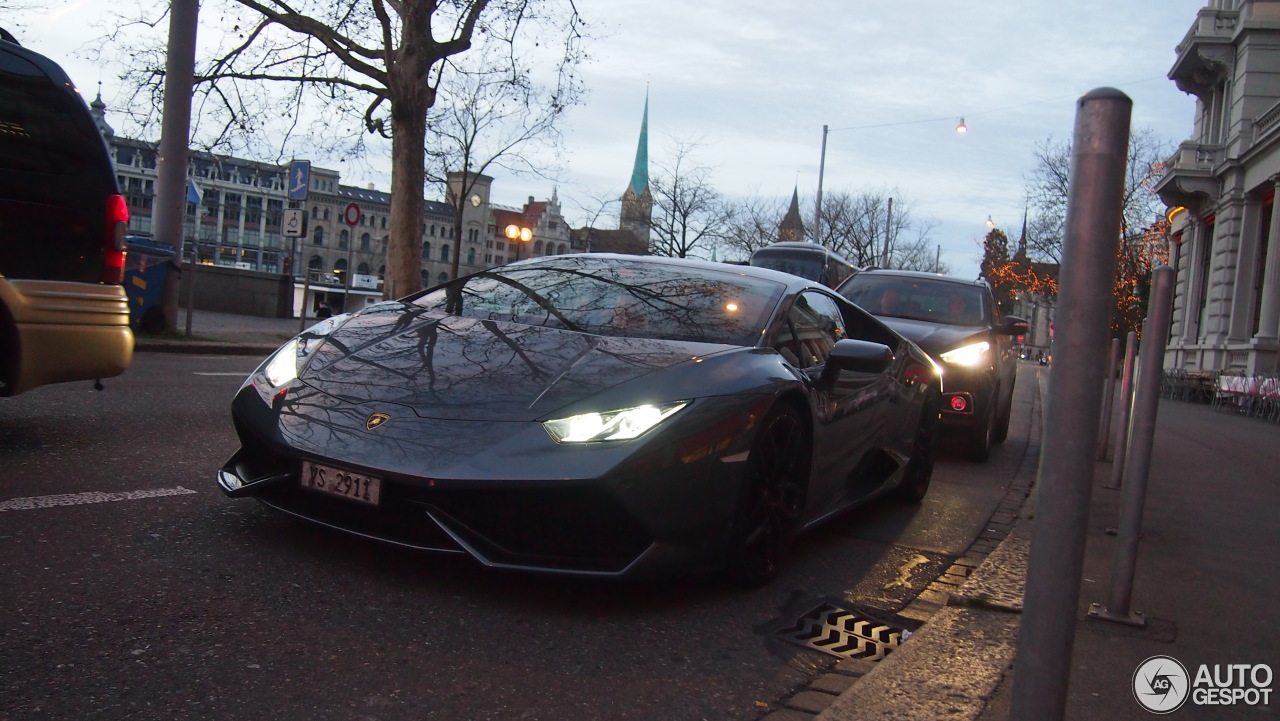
[[299, 179]]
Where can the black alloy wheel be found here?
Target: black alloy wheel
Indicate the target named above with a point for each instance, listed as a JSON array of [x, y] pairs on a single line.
[[919, 470], [768, 515]]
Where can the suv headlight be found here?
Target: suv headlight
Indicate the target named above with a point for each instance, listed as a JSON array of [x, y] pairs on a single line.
[[967, 355], [619, 425]]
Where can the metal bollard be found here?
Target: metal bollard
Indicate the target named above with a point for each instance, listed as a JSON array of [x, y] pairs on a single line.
[[1138, 464], [1108, 391], [191, 287], [1098, 152], [1126, 410]]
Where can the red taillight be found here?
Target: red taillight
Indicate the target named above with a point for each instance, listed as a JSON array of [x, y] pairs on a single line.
[[113, 245], [959, 404]]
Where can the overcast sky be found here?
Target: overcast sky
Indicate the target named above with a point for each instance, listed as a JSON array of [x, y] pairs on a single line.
[[753, 82]]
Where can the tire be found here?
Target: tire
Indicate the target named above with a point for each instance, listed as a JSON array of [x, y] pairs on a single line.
[[981, 439], [768, 514], [1001, 431], [919, 471]]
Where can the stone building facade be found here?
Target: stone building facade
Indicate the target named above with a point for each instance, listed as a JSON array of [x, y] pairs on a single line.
[[1220, 189], [235, 207]]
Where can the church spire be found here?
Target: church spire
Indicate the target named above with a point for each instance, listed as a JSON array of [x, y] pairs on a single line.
[[792, 227], [640, 173], [637, 201]]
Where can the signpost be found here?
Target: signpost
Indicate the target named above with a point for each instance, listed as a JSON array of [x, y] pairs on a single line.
[[295, 224]]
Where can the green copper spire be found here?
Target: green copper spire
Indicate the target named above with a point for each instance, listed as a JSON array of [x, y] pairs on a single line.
[[640, 175]]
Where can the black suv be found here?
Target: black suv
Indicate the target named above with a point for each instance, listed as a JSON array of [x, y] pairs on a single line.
[[63, 312], [957, 322]]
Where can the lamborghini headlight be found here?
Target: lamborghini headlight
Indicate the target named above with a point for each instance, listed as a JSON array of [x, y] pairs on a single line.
[[619, 425], [968, 355], [284, 364]]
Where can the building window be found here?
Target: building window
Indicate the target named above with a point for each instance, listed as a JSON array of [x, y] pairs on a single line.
[[317, 236], [366, 243], [315, 212], [443, 277], [326, 213], [344, 239], [471, 256], [444, 253], [426, 250]]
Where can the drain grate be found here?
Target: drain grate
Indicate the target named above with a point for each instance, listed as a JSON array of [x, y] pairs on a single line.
[[844, 633]]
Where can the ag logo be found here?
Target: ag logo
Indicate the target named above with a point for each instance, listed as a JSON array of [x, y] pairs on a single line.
[[1161, 684], [376, 420]]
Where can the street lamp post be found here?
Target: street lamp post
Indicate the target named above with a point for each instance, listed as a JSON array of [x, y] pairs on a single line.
[[519, 235]]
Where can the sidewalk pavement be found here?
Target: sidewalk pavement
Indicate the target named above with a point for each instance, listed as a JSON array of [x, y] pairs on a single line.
[[1207, 580], [1207, 577], [224, 334]]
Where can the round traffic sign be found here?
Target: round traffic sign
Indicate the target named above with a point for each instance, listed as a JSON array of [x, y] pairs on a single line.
[[352, 214]]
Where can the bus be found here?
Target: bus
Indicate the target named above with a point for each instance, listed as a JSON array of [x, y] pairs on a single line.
[[807, 260]]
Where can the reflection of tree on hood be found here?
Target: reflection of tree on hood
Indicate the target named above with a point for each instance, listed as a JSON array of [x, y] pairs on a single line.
[[587, 299]]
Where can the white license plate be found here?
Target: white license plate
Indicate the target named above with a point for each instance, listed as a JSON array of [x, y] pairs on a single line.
[[342, 483]]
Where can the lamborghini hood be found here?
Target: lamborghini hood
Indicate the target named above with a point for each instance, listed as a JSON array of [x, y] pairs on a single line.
[[457, 368]]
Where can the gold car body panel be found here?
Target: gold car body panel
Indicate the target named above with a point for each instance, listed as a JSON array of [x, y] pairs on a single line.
[[66, 331]]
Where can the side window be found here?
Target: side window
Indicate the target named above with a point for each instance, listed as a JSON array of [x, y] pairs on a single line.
[[810, 330]]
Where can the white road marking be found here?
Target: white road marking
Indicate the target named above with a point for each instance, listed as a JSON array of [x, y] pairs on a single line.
[[76, 499], [222, 373]]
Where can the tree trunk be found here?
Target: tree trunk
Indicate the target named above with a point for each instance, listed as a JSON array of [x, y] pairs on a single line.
[[404, 252], [411, 98]]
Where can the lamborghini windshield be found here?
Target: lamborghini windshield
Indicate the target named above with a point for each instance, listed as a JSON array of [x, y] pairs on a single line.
[[612, 297]]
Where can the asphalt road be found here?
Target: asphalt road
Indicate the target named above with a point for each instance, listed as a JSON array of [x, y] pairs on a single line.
[[131, 588]]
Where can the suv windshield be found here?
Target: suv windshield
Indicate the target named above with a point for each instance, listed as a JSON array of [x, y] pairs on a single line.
[[616, 298], [936, 301]]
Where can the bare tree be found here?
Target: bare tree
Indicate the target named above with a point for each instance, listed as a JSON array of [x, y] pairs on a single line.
[[752, 223], [1047, 184], [862, 226], [489, 118], [1141, 218], [917, 251], [381, 61], [687, 210]]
